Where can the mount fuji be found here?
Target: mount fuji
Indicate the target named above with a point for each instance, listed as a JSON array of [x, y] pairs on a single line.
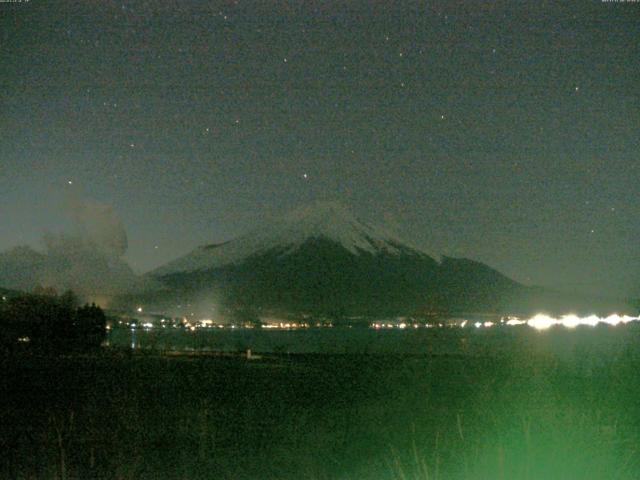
[[328, 221], [322, 259]]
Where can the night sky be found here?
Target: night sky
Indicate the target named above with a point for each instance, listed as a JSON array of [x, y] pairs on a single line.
[[506, 132]]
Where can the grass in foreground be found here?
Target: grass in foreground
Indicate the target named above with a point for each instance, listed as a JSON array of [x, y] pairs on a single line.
[[530, 413]]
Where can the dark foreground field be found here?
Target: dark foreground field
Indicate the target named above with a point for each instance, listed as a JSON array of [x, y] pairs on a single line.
[[554, 406]]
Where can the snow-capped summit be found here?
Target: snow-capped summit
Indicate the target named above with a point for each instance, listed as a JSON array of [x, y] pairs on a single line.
[[330, 221], [323, 259]]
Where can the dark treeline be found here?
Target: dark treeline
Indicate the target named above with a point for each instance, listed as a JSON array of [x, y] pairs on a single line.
[[49, 322]]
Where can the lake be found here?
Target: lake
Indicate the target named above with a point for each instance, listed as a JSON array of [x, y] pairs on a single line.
[[563, 342]]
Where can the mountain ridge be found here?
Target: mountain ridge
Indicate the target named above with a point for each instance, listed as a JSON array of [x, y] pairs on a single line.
[[324, 259], [330, 220]]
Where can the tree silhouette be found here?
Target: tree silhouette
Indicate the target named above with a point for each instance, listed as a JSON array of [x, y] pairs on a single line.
[[49, 322], [90, 325]]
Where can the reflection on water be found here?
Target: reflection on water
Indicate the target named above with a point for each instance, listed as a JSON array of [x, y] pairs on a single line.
[[345, 340], [134, 339]]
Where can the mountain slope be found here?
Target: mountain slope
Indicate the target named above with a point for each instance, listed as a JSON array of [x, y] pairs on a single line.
[[328, 220], [323, 259]]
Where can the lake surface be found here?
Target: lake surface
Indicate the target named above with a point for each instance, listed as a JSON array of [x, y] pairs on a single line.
[[360, 340]]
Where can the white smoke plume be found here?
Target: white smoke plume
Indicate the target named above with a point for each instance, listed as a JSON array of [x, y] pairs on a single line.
[[88, 260], [99, 224]]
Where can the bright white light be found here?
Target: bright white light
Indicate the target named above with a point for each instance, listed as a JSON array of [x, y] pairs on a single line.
[[591, 320], [513, 322], [615, 319], [570, 321], [139, 309], [542, 322], [539, 322]]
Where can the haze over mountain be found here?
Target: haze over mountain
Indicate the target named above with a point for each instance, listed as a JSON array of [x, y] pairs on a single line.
[[318, 259], [322, 259], [88, 260], [69, 264]]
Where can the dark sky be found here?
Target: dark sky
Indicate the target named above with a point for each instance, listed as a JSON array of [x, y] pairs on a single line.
[[507, 132]]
